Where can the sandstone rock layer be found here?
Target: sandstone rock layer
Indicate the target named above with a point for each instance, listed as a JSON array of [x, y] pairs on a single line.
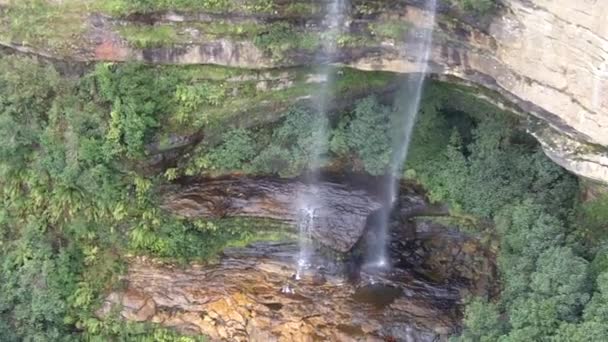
[[548, 57], [339, 218], [251, 296]]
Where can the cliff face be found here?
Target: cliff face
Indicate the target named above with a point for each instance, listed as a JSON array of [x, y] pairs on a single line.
[[250, 293], [549, 58]]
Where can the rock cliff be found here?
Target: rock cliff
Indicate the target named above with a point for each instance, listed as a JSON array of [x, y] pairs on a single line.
[[250, 294], [549, 58], [340, 219]]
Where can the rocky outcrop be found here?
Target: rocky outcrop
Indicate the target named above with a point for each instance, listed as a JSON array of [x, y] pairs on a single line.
[[548, 57], [444, 255], [338, 221], [341, 211], [580, 158], [251, 295]]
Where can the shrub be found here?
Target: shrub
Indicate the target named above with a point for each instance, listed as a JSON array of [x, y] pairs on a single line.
[[477, 7]]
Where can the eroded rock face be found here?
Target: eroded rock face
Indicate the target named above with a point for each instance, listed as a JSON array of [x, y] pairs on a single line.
[[445, 255], [548, 57], [339, 218], [580, 158], [251, 296], [253, 293]]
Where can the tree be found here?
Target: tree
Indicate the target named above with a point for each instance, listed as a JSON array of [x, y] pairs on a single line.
[[300, 141], [25, 100], [536, 317], [367, 136], [586, 331], [597, 309], [563, 276], [238, 148], [483, 322], [138, 100]]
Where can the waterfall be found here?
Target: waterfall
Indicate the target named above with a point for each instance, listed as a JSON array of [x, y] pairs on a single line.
[[407, 105], [309, 200], [305, 222]]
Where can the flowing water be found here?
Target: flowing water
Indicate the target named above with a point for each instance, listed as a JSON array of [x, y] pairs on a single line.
[[309, 201], [305, 222], [418, 45]]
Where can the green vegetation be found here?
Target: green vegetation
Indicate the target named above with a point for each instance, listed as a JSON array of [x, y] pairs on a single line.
[[182, 100], [289, 147], [166, 35], [302, 8], [595, 213], [150, 36], [281, 37], [552, 269], [73, 204], [38, 23], [286, 150], [236, 30], [391, 29], [186, 99], [476, 7], [124, 7], [77, 195], [351, 81], [365, 135], [485, 165]]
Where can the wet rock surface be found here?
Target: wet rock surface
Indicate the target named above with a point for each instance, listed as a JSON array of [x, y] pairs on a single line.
[[340, 217], [444, 255], [250, 295]]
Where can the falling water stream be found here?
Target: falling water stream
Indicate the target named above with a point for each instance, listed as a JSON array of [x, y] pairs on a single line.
[[305, 221], [418, 43], [309, 200]]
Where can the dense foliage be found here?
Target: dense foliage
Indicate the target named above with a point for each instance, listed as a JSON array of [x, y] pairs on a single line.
[[361, 141], [123, 7], [476, 7], [78, 194], [72, 202], [552, 273]]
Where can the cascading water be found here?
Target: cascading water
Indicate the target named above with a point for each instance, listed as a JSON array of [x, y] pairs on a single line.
[[407, 107], [306, 219], [309, 201]]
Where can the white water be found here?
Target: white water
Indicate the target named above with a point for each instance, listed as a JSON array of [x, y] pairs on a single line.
[[309, 201], [377, 252], [306, 220]]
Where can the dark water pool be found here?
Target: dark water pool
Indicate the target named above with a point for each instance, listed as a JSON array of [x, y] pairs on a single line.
[[378, 295]]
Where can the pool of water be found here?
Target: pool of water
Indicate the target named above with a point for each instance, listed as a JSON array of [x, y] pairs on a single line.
[[378, 295]]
